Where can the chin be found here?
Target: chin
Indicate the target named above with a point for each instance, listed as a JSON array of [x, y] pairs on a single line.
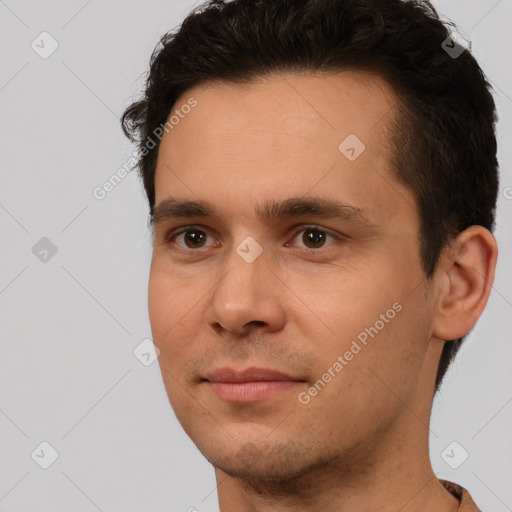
[[259, 462]]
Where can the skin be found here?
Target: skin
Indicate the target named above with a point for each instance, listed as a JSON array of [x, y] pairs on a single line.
[[360, 444]]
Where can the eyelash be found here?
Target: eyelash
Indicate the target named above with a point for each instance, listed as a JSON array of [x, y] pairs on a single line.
[[174, 234]]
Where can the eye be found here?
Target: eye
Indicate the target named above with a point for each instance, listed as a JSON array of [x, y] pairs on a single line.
[[192, 238], [314, 237]]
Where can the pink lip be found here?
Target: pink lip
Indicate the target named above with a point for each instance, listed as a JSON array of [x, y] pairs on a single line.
[[252, 374], [250, 385]]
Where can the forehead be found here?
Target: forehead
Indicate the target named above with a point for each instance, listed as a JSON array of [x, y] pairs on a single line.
[[284, 135]]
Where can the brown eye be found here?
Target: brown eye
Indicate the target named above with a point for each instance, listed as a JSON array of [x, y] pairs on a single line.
[[194, 238], [313, 238], [189, 238]]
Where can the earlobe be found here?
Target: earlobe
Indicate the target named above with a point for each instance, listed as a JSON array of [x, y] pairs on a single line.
[[467, 273]]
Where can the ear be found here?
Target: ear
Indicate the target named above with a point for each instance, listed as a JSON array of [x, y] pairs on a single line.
[[465, 277]]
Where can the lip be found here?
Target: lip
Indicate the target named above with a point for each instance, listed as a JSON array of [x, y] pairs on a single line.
[[249, 385], [252, 374]]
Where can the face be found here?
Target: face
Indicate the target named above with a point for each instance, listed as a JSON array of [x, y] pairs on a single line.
[[301, 256]]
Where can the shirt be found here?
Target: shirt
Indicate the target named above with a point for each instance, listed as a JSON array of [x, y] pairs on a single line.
[[466, 502]]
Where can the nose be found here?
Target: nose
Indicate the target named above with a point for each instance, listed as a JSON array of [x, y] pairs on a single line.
[[247, 297]]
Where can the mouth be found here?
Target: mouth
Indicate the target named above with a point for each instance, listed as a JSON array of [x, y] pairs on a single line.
[[249, 385]]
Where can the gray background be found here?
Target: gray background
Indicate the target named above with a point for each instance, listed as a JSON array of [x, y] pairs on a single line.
[[70, 325]]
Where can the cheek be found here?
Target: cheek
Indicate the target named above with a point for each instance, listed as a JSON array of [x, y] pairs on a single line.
[[378, 371], [369, 317], [161, 302], [176, 313], [167, 307], [170, 296], [170, 313], [346, 300]]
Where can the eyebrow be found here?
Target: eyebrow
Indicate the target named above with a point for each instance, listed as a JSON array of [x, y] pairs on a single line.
[[270, 210]]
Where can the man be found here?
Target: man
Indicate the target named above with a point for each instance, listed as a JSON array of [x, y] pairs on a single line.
[[322, 181]]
